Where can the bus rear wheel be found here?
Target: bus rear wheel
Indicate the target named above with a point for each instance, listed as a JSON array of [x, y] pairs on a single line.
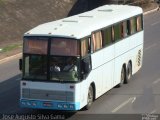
[[128, 73], [122, 77], [90, 98]]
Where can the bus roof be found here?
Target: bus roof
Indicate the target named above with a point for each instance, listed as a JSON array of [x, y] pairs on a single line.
[[81, 25]]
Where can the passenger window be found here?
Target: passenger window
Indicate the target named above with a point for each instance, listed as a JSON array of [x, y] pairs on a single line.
[[113, 38], [117, 32], [85, 47], [107, 36], [124, 29], [96, 41], [133, 25], [139, 23], [128, 27]]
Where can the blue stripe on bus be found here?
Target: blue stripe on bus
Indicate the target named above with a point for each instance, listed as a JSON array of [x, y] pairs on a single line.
[[54, 105]]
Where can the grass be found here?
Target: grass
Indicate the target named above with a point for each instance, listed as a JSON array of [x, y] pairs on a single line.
[[1, 1], [10, 47]]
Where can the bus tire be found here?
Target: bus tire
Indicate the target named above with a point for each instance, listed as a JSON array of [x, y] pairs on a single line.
[[128, 73], [122, 77], [89, 98]]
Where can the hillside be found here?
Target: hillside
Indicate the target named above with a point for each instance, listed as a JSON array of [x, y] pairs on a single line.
[[18, 16]]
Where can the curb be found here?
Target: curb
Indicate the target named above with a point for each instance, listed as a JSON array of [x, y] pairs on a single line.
[[11, 57], [148, 12]]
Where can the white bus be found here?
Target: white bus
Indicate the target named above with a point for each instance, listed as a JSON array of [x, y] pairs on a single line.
[[69, 63]]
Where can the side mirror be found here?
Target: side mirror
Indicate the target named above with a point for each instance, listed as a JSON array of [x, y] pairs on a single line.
[[20, 64]]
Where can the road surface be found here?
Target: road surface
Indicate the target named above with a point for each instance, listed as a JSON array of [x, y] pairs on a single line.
[[131, 101]]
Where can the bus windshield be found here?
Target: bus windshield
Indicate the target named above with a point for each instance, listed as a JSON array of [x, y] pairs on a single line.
[[65, 47], [35, 67], [64, 68], [61, 63], [60, 68]]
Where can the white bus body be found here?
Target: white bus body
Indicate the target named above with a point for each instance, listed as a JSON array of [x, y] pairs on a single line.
[[107, 62]]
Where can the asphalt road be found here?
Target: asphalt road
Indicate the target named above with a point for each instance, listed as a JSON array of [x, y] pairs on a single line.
[[131, 101]]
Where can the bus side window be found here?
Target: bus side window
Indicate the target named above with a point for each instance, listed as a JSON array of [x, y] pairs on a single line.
[[139, 23], [124, 29], [85, 47], [85, 67], [133, 25], [113, 38], [96, 41], [117, 32], [128, 27], [107, 36], [89, 45]]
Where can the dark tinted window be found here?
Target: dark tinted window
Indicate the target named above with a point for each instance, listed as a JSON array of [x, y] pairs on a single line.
[[85, 67], [107, 36], [35, 67], [117, 32], [133, 25]]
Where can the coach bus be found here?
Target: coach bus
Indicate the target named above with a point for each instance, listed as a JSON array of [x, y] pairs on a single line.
[[69, 63]]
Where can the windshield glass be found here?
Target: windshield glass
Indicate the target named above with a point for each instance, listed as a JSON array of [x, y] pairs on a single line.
[[35, 67], [65, 47], [54, 59], [35, 45], [64, 68]]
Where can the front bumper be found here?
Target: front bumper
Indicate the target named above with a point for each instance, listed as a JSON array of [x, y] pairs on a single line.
[[54, 105]]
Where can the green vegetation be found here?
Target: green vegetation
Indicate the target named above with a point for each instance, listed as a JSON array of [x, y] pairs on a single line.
[[11, 47], [1, 1]]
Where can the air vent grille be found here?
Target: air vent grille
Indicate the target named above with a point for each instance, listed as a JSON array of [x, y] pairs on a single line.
[[72, 21], [86, 16], [106, 10]]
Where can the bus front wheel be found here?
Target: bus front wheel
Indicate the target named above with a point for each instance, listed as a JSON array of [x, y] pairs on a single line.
[[90, 98]]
